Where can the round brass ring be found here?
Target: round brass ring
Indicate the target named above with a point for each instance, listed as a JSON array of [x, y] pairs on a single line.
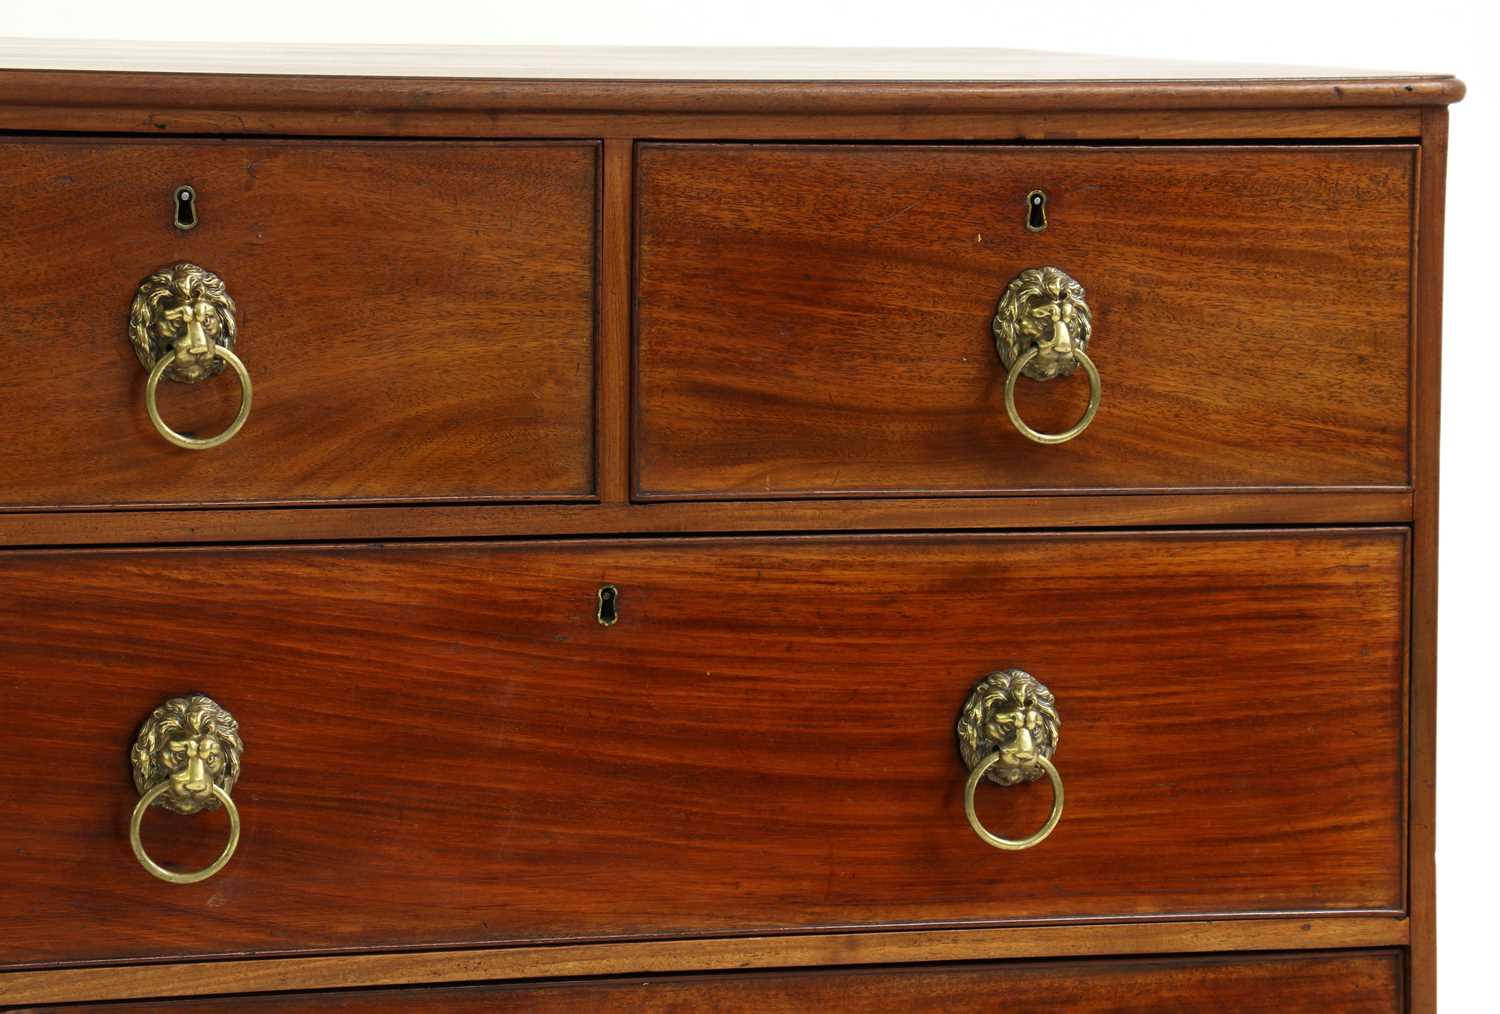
[[1068, 434], [1011, 845], [196, 443], [171, 876]]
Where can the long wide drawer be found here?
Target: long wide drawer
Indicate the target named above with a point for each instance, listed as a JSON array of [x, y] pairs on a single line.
[[1350, 982], [416, 320], [444, 745], [817, 320]]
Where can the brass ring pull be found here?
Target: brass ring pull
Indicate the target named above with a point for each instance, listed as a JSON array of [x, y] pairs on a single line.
[[1042, 329], [183, 328], [198, 443], [172, 876], [1007, 732], [186, 759], [1072, 431], [1011, 844]]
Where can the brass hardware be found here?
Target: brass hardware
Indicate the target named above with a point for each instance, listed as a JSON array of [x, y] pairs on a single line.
[[1007, 732], [186, 759], [185, 208], [1042, 329], [1036, 211], [609, 606], [182, 326]]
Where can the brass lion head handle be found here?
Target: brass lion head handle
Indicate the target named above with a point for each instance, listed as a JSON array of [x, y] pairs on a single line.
[[1007, 732], [1042, 329], [186, 759], [183, 328]]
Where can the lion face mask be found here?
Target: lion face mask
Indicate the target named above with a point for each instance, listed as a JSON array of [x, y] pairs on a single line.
[[186, 310], [193, 743], [1012, 714]]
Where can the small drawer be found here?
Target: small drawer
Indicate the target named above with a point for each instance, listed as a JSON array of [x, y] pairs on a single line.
[[444, 745], [1350, 982], [818, 321], [417, 321]]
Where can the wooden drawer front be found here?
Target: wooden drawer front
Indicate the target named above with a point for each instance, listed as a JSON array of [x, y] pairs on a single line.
[[444, 746], [417, 320], [1351, 983], [816, 320]]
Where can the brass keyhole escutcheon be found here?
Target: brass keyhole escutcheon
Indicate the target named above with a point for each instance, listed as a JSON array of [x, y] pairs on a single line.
[[1036, 211], [609, 606], [185, 208]]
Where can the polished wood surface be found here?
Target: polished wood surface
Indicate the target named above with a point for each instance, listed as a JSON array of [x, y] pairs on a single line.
[[1349, 982], [617, 293], [816, 320], [733, 836], [444, 747], [418, 321], [145, 106], [268, 524], [971, 94], [1427, 382], [553, 961]]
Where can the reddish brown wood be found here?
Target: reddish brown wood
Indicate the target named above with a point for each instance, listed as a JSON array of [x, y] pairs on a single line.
[[615, 300], [1423, 707], [271, 524], [817, 320], [378, 93], [1061, 126], [443, 746], [555, 961], [1350, 982], [418, 321], [484, 260]]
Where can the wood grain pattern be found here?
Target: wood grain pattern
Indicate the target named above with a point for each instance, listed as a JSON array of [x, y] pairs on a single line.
[[418, 320], [376, 93], [816, 320], [263, 116], [269, 524], [674, 795], [206, 978], [443, 747], [1351, 982], [1428, 383], [616, 296]]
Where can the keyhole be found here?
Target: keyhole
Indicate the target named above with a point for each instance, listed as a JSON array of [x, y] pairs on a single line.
[[1036, 210], [185, 198], [609, 612]]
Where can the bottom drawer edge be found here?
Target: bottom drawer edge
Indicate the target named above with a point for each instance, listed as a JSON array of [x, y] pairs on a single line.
[[669, 957]]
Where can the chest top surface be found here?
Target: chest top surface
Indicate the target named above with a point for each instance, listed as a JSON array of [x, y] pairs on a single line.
[[865, 79]]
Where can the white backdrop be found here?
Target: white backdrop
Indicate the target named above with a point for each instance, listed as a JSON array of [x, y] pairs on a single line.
[[1437, 35]]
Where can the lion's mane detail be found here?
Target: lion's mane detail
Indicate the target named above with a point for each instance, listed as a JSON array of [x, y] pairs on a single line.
[[987, 723], [191, 717], [1024, 319], [163, 295]]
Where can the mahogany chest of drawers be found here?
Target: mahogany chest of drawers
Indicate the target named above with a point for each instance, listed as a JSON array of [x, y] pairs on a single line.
[[630, 529]]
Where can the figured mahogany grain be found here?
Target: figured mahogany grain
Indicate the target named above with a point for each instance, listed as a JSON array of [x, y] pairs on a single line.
[[1428, 363], [1349, 982], [417, 319], [816, 320], [655, 957], [443, 746], [271, 524]]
